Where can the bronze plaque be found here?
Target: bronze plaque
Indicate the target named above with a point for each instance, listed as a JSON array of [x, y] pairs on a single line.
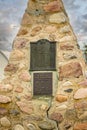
[[42, 57], [42, 84]]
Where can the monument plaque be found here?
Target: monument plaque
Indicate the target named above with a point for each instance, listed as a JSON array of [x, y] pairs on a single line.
[[43, 53], [42, 83]]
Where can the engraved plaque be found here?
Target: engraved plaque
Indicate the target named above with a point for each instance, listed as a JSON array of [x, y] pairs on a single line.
[[42, 84], [42, 55]]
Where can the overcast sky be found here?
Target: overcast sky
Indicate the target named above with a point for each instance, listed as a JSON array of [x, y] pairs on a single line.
[[11, 13]]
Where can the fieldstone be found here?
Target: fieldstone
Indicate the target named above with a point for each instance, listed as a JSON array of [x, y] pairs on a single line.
[[83, 116], [19, 90], [25, 107], [61, 98], [19, 127], [57, 18], [71, 114], [80, 126], [81, 105], [52, 6], [26, 20], [83, 83], [3, 111], [46, 125], [67, 83], [51, 29], [66, 47], [65, 29], [4, 99], [11, 68], [72, 69], [17, 55], [81, 93], [62, 107], [5, 87], [20, 43], [25, 76], [35, 30], [69, 56], [14, 112], [31, 127], [56, 117], [22, 31], [5, 122], [67, 125]]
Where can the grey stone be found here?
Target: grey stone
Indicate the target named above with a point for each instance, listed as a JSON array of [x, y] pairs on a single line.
[[46, 125]]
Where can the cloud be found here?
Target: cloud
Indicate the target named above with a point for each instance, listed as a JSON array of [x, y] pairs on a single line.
[[11, 12]]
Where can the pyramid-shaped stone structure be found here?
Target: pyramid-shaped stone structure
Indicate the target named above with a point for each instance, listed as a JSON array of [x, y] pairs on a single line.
[[45, 86]]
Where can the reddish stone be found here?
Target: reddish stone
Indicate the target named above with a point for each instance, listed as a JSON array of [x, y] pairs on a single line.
[[22, 32], [26, 20], [4, 99], [53, 6], [3, 111], [19, 90], [11, 68], [56, 117], [25, 107], [35, 30], [61, 98], [72, 69], [20, 43], [6, 87], [80, 105], [83, 83], [25, 76], [66, 47], [80, 126]]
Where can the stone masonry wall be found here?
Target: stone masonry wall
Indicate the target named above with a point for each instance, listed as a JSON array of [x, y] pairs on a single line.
[[67, 109]]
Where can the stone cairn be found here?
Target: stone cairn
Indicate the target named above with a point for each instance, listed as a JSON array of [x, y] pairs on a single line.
[[67, 109]]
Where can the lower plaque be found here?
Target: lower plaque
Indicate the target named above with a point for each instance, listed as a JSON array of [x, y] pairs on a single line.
[[42, 84]]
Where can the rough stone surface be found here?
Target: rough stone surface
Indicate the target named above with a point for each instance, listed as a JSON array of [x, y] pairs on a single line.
[[25, 107], [66, 47], [81, 93], [66, 108], [4, 99], [35, 30], [72, 69], [20, 43], [61, 98], [31, 127], [71, 114], [11, 68], [5, 87], [45, 125], [52, 6], [25, 76], [5, 122], [81, 105], [17, 55], [80, 126], [3, 111], [56, 117], [19, 127], [57, 18], [19, 90]]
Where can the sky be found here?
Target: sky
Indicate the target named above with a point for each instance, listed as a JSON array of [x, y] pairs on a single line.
[[11, 13]]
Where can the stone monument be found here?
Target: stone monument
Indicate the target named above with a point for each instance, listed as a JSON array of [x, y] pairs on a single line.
[[45, 86]]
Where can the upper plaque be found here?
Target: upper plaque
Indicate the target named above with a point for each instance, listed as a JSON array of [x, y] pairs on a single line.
[[43, 53]]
